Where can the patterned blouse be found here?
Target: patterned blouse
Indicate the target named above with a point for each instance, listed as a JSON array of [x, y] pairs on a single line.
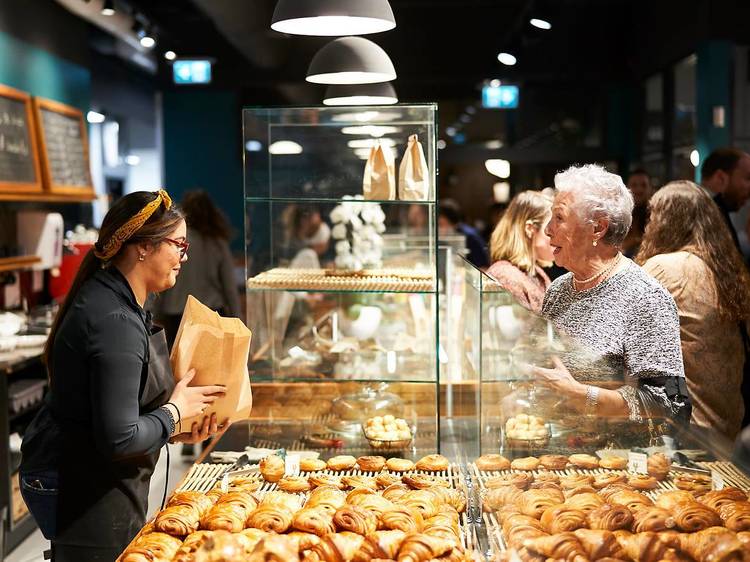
[[527, 289], [625, 329]]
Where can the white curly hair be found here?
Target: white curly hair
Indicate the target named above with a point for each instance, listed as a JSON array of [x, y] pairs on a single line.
[[599, 194]]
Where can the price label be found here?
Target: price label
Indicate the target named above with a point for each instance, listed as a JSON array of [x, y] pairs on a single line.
[[638, 462], [291, 465], [717, 481]]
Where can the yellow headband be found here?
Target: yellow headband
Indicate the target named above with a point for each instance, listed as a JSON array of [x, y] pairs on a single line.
[[127, 230]]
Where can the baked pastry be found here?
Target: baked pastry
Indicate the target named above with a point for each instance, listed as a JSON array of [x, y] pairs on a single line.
[[355, 519], [385, 479], [576, 481], [643, 482], [520, 480], [736, 515], [311, 465], [562, 546], [586, 502], [242, 484], [198, 500], [669, 500], [561, 518], [294, 484], [272, 468], [652, 519], [387, 428], [631, 499], [547, 477], [432, 463], [380, 545], [326, 497], [316, 480], [545, 486], [359, 481], [607, 492], [423, 500], [451, 497], [177, 520], [418, 547], [715, 499], [395, 491], [403, 518], [424, 481], [744, 538], [496, 498], [579, 490], [643, 546], [610, 517], [525, 463], [658, 465], [693, 482], [303, 541], [336, 546], [351, 497], [399, 465], [314, 520], [553, 462], [714, 544], [525, 427], [271, 518], [292, 502], [224, 516], [583, 461], [517, 528], [607, 479], [534, 502], [240, 498], [690, 517], [613, 462], [374, 503], [492, 461], [341, 462], [151, 546], [371, 463], [253, 536], [599, 544]]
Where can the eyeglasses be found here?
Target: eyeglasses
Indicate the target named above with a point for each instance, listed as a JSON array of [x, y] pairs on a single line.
[[183, 246]]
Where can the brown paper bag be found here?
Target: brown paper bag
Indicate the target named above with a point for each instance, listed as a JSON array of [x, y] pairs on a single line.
[[218, 349], [380, 174], [413, 175]]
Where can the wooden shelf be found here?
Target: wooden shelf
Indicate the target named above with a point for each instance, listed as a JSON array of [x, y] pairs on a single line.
[[18, 262], [44, 197]]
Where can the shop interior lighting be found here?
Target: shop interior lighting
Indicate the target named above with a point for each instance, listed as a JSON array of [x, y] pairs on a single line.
[[498, 167], [132, 160], [108, 8], [695, 158], [506, 58], [360, 94], [285, 147], [540, 23], [351, 60], [95, 117], [375, 131], [170, 55], [471, 110], [493, 144], [495, 82], [362, 153], [450, 131], [332, 17], [253, 145], [369, 143], [148, 40], [441, 144], [465, 118]]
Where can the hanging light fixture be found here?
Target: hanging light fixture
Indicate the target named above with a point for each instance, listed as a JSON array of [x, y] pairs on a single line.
[[108, 8], [351, 60], [332, 17], [360, 94]]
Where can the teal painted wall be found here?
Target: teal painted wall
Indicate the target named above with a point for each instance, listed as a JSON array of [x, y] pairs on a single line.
[[31, 69], [713, 84], [620, 139], [203, 149]]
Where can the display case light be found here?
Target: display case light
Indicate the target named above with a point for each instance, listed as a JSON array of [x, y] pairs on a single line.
[[351, 60]]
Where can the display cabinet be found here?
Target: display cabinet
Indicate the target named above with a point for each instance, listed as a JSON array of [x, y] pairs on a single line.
[[342, 278]]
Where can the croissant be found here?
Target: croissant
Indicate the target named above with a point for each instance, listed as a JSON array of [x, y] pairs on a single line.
[[452, 497], [603, 480], [517, 533], [579, 490], [496, 498], [355, 519], [744, 538], [535, 502], [645, 547], [276, 518], [244, 484], [395, 491], [562, 546], [374, 503], [303, 541], [658, 466], [359, 481], [715, 545], [317, 480], [423, 500], [632, 500], [736, 515], [273, 548], [336, 547], [380, 545], [192, 543], [402, 518], [423, 481], [561, 518], [717, 498], [693, 516], [587, 502], [576, 480], [610, 517], [152, 547], [385, 479], [599, 544], [228, 517], [518, 520], [669, 500], [292, 502], [520, 480], [294, 484], [326, 497], [198, 500], [545, 486], [652, 519], [313, 520], [272, 468], [253, 536], [358, 492], [239, 498], [221, 545], [418, 547]]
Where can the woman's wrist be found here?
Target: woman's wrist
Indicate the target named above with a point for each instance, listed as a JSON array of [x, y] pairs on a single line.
[[174, 415]]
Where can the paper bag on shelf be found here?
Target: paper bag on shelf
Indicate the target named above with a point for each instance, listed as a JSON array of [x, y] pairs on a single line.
[[218, 349], [380, 174], [413, 175]]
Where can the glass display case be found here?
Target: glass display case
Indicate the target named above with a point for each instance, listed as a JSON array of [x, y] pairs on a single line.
[[342, 276]]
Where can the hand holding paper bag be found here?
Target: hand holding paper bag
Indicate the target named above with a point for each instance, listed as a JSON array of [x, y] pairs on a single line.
[[218, 349]]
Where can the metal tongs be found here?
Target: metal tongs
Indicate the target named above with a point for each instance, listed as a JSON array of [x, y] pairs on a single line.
[[235, 470], [684, 464]]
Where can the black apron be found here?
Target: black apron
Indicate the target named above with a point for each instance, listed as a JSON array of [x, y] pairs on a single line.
[[101, 508]]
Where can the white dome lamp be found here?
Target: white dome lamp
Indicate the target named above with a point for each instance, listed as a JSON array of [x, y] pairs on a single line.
[[382, 93], [332, 17], [351, 60]]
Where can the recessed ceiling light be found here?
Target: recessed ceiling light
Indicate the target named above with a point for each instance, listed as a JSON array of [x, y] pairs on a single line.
[[695, 158], [285, 147], [441, 144], [540, 23], [332, 17], [108, 8], [95, 117], [506, 59], [253, 145], [495, 83], [351, 60], [450, 131], [498, 167], [170, 55]]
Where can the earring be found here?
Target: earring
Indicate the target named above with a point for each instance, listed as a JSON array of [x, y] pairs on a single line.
[[595, 242], [141, 257]]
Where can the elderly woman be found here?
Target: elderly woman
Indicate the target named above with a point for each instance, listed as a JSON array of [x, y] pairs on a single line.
[[621, 324]]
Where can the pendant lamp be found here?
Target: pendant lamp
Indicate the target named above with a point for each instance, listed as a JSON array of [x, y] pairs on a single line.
[[360, 94], [332, 17], [350, 60]]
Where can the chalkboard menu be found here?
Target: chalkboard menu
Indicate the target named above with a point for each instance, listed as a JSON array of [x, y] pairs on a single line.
[[19, 164], [65, 158]]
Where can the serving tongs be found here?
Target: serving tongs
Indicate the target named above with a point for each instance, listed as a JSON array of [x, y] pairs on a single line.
[[684, 464], [236, 470]]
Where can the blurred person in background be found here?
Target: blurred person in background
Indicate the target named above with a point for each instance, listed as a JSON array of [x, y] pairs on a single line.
[[209, 274], [519, 249], [726, 174], [494, 214], [450, 221], [639, 184], [688, 251]]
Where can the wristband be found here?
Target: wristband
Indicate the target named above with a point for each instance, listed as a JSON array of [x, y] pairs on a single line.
[[171, 419], [592, 399]]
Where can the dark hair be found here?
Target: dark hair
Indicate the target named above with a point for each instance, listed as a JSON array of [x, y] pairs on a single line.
[[203, 216], [724, 159], [639, 172], [450, 210], [154, 231], [685, 218]]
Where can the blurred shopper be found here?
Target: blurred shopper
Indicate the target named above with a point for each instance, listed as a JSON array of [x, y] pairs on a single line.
[[639, 184], [621, 325], [494, 214], [519, 249], [450, 220], [209, 275], [687, 249], [726, 174]]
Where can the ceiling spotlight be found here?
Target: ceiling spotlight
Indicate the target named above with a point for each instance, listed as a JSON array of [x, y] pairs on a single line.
[[350, 60], [695, 158], [498, 167], [332, 17], [441, 144], [540, 23], [253, 145], [450, 131], [108, 8], [360, 94], [132, 159], [170, 55], [95, 117], [285, 147], [506, 59], [148, 40], [495, 83]]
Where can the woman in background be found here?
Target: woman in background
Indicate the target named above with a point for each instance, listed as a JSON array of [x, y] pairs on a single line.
[[689, 250], [519, 249]]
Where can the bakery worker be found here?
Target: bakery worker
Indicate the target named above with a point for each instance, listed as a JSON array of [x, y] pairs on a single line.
[[88, 455]]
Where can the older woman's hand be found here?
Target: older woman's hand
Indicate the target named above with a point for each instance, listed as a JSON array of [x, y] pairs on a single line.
[[560, 379]]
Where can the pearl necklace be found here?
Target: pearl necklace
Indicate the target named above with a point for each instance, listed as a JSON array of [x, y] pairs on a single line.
[[603, 273]]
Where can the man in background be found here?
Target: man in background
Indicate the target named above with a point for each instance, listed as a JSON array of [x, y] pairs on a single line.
[[639, 184], [726, 174], [450, 220]]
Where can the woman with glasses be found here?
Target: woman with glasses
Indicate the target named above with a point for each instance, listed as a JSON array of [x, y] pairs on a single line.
[[88, 456]]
